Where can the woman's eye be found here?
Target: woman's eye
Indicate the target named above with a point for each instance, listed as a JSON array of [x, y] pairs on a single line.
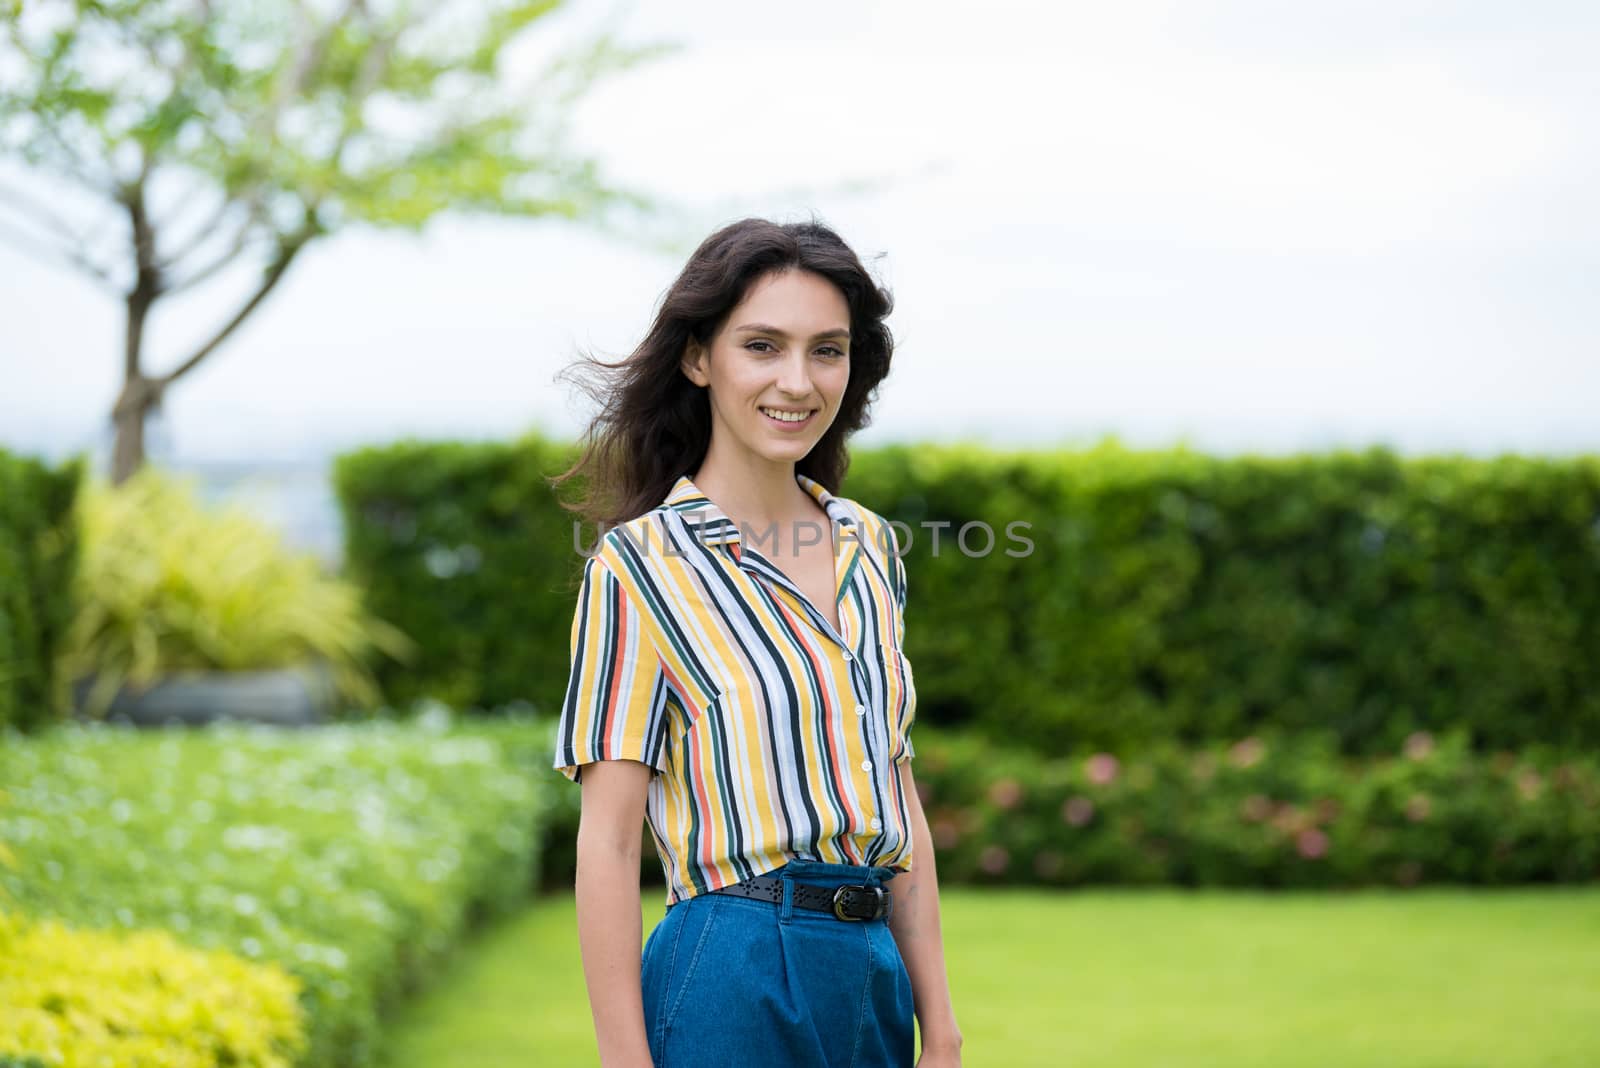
[[830, 351]]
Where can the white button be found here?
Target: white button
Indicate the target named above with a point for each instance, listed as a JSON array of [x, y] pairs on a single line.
[[861, 710], [848, 655], [866, 765], [876, 823]]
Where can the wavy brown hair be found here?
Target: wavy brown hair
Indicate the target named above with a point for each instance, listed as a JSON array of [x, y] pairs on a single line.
[[654, 424]]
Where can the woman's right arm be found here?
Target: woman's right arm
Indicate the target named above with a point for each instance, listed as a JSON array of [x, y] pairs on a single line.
[[610, 927]]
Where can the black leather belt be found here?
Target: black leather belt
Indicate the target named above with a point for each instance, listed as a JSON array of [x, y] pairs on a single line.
[[853, 902]]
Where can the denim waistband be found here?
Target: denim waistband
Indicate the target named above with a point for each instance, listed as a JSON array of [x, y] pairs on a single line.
[[822, 872]]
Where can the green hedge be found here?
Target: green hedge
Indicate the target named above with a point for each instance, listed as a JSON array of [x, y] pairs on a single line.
[[38, 558], [355, 855], [463, 547], [1270, 810], [1174, 595], [1167, 594]]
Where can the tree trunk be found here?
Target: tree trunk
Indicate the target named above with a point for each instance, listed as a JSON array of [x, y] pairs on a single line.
[[128, 417], [139, 394]]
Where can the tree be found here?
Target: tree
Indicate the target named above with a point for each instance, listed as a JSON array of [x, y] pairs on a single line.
[[275, 123]]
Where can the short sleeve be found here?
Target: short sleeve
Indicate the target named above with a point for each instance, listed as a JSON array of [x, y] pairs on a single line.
[[616, 701]]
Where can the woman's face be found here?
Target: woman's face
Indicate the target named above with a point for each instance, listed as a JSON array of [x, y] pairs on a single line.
[[783, 351]]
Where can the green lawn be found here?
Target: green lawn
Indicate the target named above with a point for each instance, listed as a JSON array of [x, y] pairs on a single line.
[[1139, 978]]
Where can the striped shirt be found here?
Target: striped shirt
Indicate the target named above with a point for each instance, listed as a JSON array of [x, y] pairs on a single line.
[[772, 735]]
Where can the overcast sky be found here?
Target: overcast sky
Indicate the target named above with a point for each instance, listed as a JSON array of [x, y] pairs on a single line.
[[1245, 225]]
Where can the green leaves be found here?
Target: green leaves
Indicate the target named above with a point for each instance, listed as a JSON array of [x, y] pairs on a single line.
[[167, 586], [383, 114], [354, 856]]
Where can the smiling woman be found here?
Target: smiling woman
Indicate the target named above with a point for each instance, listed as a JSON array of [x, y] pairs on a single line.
[[739, 682]]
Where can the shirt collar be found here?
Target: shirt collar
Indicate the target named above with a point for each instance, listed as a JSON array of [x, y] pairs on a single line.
[[712, 526]]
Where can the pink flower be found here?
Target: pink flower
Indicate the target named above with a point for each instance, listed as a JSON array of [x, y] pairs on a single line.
[[1256, 808], [1101, 768], [1327, 809], [1529, 784], [1312, 843], [1077, 810], [994, 859], [1418, 745], [946, 833], [1006, 793], [1418, 807], [1289, 819], [1247, 752]]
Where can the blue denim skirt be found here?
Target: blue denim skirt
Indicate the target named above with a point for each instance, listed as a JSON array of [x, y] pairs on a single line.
[[734, 981]]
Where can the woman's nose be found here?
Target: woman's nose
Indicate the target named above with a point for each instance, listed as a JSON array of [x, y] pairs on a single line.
[[795, 376]]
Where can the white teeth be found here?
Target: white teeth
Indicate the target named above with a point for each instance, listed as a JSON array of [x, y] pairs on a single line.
[[787, 417]]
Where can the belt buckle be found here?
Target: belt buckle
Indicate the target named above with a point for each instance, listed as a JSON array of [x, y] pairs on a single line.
[[838, 902]]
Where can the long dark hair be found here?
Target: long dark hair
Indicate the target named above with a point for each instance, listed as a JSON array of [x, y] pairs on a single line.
[[654, 424]]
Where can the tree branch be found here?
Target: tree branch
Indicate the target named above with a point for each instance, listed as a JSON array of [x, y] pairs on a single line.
[[55, 255], [288, 248], [39, 213], [198, 238], [240, 241], [74, 165]]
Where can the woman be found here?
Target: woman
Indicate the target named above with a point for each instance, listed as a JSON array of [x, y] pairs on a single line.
[[738, 682]]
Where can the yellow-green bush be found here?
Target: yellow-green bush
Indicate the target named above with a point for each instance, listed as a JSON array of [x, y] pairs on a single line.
[[167, 585], [78, 998]]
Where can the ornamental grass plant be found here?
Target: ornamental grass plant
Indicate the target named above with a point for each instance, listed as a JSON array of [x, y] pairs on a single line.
[[169, 586]]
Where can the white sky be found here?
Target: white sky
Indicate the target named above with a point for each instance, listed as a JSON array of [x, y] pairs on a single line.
[[1248, 225]]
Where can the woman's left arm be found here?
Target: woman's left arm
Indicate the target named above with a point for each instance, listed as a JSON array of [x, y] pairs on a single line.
[[915, 925]]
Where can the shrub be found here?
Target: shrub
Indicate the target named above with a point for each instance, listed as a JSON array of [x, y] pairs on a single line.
[[353, 855], [1274, 809], [168, 586], [38, 557], [78, 999]]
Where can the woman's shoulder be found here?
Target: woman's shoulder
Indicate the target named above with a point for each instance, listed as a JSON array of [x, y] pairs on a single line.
[[873, 530], [629, 542]]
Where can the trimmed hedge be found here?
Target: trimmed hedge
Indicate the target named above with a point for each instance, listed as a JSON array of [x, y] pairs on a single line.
[[355, 856], [1278, 809], [38, 561], [77, 999], [1172, 595], [463, 547], [1167, 594]]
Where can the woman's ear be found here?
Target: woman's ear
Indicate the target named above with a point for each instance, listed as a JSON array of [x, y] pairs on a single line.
[[694, 363]]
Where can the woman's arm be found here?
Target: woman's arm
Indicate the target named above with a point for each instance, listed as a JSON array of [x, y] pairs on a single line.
[[610, 927], [915, 924]]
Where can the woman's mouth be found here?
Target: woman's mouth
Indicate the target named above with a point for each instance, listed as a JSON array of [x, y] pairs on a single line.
[[789, 418]]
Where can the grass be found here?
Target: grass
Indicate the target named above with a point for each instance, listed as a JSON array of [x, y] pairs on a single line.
[[1141, 978]]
